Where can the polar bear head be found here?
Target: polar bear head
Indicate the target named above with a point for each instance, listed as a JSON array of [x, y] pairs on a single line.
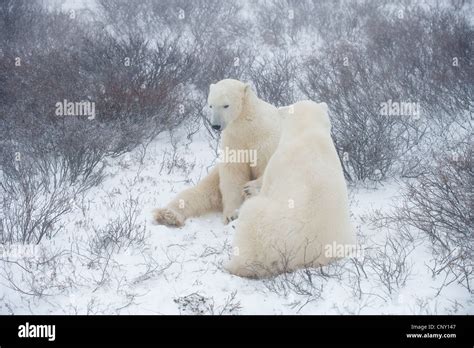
[[305, 115], [308, 113], [226, 99]]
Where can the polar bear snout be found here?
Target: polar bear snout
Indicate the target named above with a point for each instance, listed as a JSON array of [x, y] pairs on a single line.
[[217, 122]]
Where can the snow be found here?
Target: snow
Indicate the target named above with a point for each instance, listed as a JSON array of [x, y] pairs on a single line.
[[179, 270]]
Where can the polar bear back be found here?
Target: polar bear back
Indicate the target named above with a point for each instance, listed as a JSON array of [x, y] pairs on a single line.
[[306, 172], [302, 207]]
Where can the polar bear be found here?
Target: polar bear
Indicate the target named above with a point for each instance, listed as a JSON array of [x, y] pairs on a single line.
[[302, 210], [250, 134]]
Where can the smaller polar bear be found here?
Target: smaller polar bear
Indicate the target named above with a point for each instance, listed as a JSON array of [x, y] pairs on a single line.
[[302, 210]]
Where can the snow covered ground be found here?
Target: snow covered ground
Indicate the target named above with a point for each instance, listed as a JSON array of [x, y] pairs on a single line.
[[160, 270]]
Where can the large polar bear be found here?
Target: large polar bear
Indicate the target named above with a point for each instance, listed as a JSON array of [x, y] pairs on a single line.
[[302, 209], [250, 132]]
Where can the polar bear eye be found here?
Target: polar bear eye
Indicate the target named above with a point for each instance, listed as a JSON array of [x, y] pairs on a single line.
[[210, 106], [226, 106]]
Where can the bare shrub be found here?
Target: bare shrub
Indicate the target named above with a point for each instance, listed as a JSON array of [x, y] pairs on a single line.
[[137, 87], [439, 204], [213, 27], [222, 62], [42, 176], [203, 19], [280, 21], [274, 80], [381, 59], [357, 271], [42, 273], [34, 199], [390, 263], [121, 232], [212, 21], [366, 139], [152, 268], [429, 65], [302, 286], [173, 161], [197, 304], [307, 284]]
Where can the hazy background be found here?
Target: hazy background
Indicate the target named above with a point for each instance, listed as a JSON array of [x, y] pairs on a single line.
[[147, 66]]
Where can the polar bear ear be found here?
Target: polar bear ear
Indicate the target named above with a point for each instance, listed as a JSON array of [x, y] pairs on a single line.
[[248, 88], [325, 119], [324, 106], [211, 86]]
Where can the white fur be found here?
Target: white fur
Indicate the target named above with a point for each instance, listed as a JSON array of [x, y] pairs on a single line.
[[302, 205], [248, 123]]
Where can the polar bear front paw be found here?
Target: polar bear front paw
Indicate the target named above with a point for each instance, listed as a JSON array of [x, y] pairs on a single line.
[[251, 189], [230, 217], [168, 217]]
